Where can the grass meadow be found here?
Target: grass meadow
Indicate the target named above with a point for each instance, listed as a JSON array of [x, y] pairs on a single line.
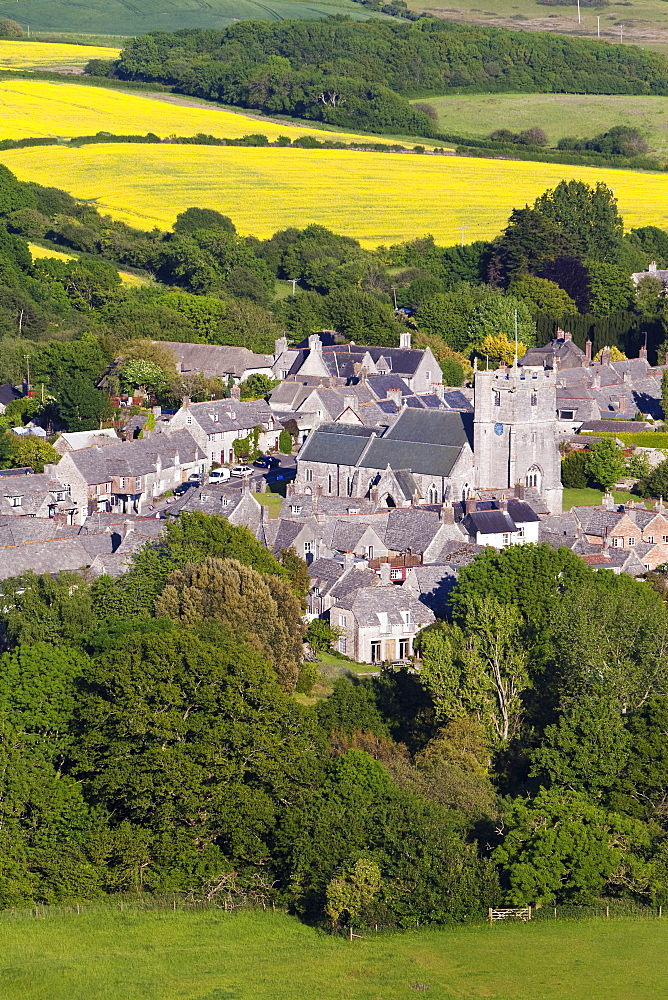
[[264, 956], [588, 497], [31, 55], [378, 198], [118, 17], [582, 115], [42, 108]]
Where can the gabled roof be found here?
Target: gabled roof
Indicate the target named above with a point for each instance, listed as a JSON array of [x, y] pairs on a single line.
[[134, 458], [212, 359], [231, 414], [440, 427], [336, 444], [8, 393]]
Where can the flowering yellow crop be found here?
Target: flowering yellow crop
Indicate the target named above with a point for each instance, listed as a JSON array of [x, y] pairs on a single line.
[[61, 110], [39, 253], [25, 55], [374, 197]]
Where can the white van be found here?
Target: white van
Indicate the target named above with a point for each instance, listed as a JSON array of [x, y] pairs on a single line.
[[219, 475]]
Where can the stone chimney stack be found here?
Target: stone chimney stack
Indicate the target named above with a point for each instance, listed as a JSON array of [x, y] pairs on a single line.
[[185, 402], [446, 514], [608, 501], [596, 381], [315, 343], [351, 402], [568, 336], [395, 396], [588, 351], [626, 376], [280, 346], [519, 489], [642, 353], [385, 574], [470, 504], [405, 340], [652, 267], [605, 355], [235, 393], [128, 528], [348, 560], [502, 502], [439, 390]]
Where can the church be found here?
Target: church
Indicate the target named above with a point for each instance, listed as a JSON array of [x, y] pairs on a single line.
[[443, 457]]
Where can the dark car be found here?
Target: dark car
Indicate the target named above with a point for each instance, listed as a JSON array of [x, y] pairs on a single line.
[[267, 462]]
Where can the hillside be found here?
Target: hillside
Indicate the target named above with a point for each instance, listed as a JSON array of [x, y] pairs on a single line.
[[212, 956], [118, 18]]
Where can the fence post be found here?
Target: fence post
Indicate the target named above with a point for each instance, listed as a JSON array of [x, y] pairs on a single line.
[[660, 910], [489, 915], [350, 931], [607, 912], [555, 913], [529, 913]]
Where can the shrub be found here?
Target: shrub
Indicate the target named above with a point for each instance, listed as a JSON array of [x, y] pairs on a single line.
[[10, 29], [308, 676], [574, 470]]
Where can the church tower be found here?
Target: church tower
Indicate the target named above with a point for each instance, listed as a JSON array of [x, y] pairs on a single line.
[[515, 432]]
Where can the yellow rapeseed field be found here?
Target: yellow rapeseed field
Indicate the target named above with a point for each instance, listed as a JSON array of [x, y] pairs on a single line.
[[26, 55], [61, 110], [38, 253], [375, 197]]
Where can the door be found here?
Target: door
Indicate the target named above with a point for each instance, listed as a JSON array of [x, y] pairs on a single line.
[[390, 649]]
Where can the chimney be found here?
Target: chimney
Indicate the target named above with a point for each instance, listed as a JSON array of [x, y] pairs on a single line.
[[626, 376], [185, 402], [588, 350], [596, 381], [315, 343], [439, 390], [519, 489], [606, 540], [568, 336], [642, 353], [605, 355], [315, 502], [348, 560], [502, 503], [280, 346], [235, 393], [373, 494], [405, 340], [128, 528], [385, 574], [395, 396], [351, 402], [446, 514], [652, 267], [608, 501], [470, 504]]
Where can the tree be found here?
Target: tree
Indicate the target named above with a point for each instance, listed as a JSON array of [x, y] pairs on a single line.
[[144, 375], [588, 218], [285, 442], [202, 218], [82, 407], [559, 847], [478, 670], [321, 636], [448, 316], [615, 354], [26, 452], [495, 316], [605, 463], [650, 297], [542, 296], [349, 893], [656, 483], [499, 348], [10, 29], [610, 288], [664, 394], [575, 470], [262, 608], [258, 386]]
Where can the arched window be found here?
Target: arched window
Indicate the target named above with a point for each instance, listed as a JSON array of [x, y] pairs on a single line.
[[432, 494], [389, 501], [466, 489], [534, 477], [350, 486], [329, 484]]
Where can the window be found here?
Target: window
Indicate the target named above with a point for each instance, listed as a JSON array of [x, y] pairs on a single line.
[[427, 375], [308, 548], [650, 539], [384, 620], [284, 373], [369, 552], [404, 649], [506, 538], [632, 541], [15, 501], [343, 644], [122, 482], [329, 484], [189, 419], [343, 621], [664, 538], [375, 652], [432, 494], [408, 618], [225, 501], [497, 399], [534, 399], [395, 574], [647, 565], [617, 543], [216, 418], [534, 477], [137, 482], [350, 486], [68, 490], [316, 591], [295, 508], [520, 532], [567, 414], [309, 475]]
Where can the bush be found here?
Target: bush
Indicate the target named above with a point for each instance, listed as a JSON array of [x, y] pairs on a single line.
[[10, 29], [308, 676], [574, 474], [285, 442]]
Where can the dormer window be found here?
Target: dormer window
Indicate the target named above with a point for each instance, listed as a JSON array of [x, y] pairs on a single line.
[[216, 418], [189, 419], [224, 501], [497, 399], [14, 501], [295, 508]]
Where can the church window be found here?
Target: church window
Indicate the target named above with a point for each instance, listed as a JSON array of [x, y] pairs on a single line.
[[534, 477], [309, 475], [534, 399], [329, 483], [497, 399], [432, 494]]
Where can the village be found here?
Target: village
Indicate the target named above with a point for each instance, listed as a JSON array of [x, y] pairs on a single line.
[[396, 481]]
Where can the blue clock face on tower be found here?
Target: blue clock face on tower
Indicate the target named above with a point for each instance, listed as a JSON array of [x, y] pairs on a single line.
[[498, 429]]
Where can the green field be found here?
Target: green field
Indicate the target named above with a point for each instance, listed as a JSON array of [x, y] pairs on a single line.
[[116, 17], [645, 22], [213, 956], [590, 497], [559, 115]]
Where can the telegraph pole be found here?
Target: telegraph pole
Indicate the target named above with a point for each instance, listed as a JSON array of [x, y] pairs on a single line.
[[463, 230], [27, 360], [579, 19]]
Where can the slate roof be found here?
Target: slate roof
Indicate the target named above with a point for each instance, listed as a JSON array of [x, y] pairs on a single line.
[[134, 458], [489, 522], [337, 444], [366, 603], [8, 393], [232, 415], [411, 528], [76, 440], [425, 459], [210, 359], [432, 585], [351, 582], [442, 427]]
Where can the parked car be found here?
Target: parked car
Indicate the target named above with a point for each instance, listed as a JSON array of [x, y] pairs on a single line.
[[242, 471], [194, 477], [267, 462], [219, 475]]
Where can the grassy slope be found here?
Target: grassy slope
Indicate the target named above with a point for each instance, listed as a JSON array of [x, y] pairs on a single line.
[[116, 17], [645, 21], [558, 114], [210, 956]]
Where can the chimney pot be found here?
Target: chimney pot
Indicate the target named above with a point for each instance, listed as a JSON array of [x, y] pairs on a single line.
[[605, 356], [502, 503], [405, 340], [568, 336], [642, 354]]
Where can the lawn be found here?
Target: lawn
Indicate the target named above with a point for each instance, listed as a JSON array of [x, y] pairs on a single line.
[[558, 115], [378, 198], [272, 501], [266, 956], [590, 498], [358, 668]]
